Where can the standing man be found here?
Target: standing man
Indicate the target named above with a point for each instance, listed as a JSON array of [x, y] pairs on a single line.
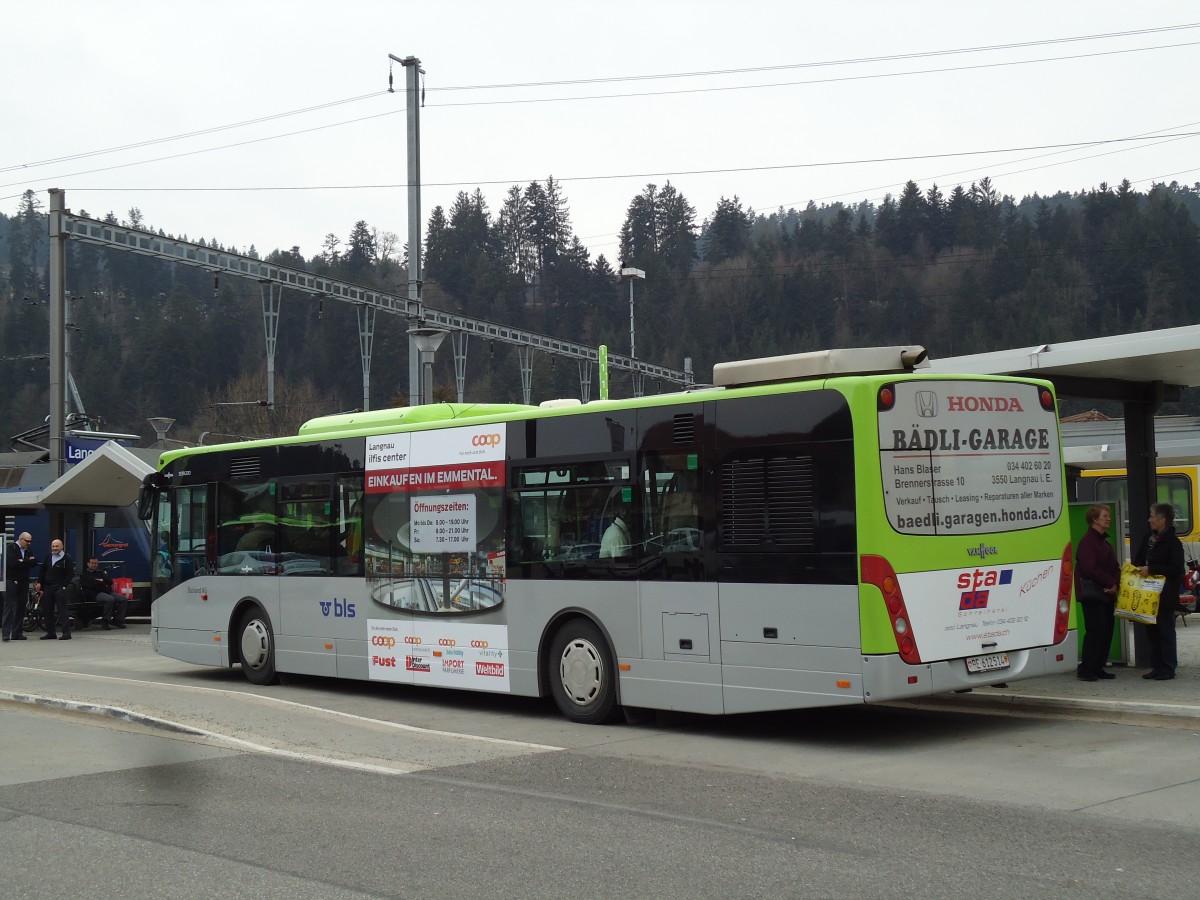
[[98, 588], [58, 570], [16, 587]]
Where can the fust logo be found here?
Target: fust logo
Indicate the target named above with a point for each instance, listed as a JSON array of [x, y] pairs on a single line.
[[386, 661], [340, 608], [976, 586]]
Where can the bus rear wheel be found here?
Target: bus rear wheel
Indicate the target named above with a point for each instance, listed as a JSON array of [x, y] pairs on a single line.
[[582, 675], [257, 646]]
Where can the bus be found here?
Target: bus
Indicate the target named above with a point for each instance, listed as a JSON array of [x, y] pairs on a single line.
[[810, 530]]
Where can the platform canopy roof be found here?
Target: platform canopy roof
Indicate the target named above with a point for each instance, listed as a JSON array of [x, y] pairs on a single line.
[[110, 476], [1113, 368]]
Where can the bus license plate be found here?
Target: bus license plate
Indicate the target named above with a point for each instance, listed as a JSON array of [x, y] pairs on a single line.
[[989, 663]]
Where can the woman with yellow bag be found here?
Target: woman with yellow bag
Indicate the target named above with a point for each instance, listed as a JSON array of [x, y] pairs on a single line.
[[1161, 555]]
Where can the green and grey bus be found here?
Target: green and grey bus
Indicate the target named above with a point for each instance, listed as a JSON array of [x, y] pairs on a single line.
[[811, 530]]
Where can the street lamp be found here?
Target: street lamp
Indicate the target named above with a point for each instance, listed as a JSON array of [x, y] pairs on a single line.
[[426, 340], [161, 425], [632, 274]]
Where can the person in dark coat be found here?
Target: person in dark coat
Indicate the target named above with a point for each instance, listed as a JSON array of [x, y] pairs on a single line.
[[97, 587], [1161, 555], [58, 570], [19, 561], [1097, 577]]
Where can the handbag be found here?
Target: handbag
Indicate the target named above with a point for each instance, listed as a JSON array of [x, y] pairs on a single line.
[[1137, 598], [1091, 592]]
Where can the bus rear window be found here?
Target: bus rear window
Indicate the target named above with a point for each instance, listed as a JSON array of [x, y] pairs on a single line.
[[969, 457]]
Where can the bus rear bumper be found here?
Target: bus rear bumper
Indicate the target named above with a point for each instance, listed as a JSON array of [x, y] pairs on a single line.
[[890, 678]]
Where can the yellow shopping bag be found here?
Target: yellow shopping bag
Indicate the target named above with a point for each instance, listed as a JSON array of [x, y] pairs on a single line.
[[1137, 598]]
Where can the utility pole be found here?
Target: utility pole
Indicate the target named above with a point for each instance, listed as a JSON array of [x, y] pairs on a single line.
[[58, 331], [412, 100]]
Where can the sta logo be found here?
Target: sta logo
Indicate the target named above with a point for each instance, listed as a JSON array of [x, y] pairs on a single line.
[[340, 608], [976, 585]]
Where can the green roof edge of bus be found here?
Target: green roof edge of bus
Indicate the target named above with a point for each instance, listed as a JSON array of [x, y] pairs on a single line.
[[405, 418]]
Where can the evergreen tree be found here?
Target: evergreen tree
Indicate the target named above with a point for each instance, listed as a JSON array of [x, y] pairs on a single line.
[[728, 233]]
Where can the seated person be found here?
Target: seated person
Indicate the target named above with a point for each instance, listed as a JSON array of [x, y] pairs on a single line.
[[98, 588], [615, 542]]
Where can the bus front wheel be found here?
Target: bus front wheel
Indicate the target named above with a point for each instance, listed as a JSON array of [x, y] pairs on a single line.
[[257, 648], [582, 676]]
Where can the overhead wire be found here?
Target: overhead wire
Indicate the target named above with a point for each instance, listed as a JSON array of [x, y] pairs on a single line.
[[611, 79]]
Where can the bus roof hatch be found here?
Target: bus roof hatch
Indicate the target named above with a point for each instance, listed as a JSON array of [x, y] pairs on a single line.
[[818, 364]]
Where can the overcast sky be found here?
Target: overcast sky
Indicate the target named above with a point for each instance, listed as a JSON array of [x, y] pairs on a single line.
[[810, 112]]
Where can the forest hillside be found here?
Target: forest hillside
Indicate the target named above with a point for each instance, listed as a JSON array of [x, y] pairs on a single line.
[[965, 272]]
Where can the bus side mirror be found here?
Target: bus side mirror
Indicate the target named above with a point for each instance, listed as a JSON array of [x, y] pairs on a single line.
[[152, 485]]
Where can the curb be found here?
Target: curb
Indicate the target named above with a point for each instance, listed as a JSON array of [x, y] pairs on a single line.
[[1135, 707], [112, 712]]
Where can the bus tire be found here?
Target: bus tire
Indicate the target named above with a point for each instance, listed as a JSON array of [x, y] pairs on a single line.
[[256, 643], [583, 678]]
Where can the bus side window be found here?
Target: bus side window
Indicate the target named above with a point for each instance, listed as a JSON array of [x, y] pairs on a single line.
[[348, 541], [671, 484]]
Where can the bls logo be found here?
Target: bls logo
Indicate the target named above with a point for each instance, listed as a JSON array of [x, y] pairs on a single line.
[[976, 586], [387, 661], [485, 440], [341, 609]]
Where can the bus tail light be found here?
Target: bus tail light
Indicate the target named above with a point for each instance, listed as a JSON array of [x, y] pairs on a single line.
[[878, 571], [1062, 612]]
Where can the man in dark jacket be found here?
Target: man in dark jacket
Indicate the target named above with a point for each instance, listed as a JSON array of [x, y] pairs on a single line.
[[18, 563], [58, 570], [1161, 555], [98, 588]]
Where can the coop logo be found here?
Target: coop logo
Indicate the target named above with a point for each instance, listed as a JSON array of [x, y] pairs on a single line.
[[416, 664], [383, 640], [926, 404], [485, 440], [976, 586], [340, 608], [446, 642], [493, 669], [412, 639], [479, 645]]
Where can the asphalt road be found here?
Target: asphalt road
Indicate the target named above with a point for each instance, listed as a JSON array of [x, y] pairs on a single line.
[[328, 789]]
